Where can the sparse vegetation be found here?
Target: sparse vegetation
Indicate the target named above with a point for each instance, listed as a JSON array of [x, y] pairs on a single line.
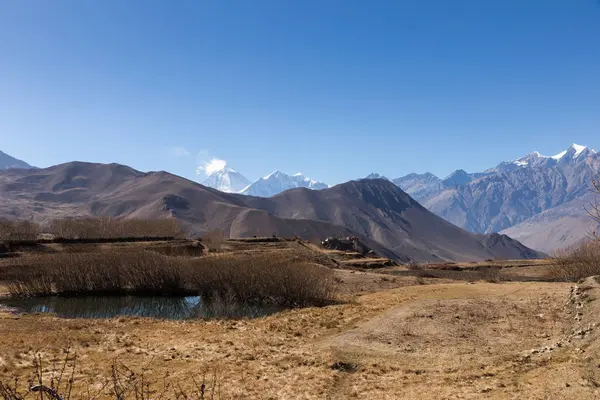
[[268, 279], [577, 263]]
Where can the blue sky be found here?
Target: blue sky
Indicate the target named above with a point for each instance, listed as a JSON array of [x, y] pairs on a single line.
[[333, 89]]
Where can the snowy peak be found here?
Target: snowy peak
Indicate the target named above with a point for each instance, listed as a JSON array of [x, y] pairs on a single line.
[[8, 162], [575, 151], [274, 174], [277, 182], [529, 160], [226, 180]]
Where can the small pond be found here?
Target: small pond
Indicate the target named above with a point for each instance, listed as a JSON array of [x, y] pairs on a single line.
[[176, 308]]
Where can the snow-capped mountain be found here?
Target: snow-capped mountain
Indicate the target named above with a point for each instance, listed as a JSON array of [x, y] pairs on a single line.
[[7, 162], [536, 199], [226, 180], [571, 155], [278, 182]]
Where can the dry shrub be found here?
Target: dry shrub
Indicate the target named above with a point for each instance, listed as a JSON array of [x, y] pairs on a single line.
[[266, 278], [214, 239], [415, 266], [577, 263], [18, 230], [490, 274], [99, 272], [251, 279], [109, 228]]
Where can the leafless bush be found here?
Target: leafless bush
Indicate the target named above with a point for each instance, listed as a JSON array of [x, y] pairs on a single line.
[[214, 239], [99, 272], [263, 279], [593, 210], [107, 227], [577, 263], [268, 278], [490, 274], [414, 266], [18, 230]]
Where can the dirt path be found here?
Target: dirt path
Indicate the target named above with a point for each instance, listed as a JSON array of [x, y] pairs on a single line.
[[460, 341]]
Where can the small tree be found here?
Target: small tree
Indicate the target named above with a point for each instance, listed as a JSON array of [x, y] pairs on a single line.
[[214, 239], [593, 209]]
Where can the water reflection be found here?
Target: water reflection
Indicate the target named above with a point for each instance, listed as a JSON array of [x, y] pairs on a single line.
[[137, 306]]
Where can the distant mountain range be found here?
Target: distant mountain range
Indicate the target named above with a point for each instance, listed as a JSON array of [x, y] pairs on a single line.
[[386, 218], [230, 181], [278, 182], [536, 199]]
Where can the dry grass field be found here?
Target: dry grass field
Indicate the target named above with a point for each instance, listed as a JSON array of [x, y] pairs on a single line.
[[388, 337]]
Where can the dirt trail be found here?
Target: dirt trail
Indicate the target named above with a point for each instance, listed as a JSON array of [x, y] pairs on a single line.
[[461, 341]]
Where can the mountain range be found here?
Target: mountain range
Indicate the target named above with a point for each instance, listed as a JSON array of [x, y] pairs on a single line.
[[539, 200], [536, 199], [386, 219], [230, 181]]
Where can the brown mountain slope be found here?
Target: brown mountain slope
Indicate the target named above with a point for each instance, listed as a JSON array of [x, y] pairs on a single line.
[[83, 189], [378, 209], [386, 218]]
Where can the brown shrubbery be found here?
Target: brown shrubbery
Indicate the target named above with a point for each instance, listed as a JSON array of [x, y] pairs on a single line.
[[92, 228], [108, 228], [264, 279], [18, 230], [577, 263]]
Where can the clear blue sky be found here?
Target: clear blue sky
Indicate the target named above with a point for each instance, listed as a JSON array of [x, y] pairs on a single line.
[[333, 89]]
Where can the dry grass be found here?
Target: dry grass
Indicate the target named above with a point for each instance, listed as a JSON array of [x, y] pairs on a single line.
[[56, 379], [577, 263], [401, 343], [255, 279]]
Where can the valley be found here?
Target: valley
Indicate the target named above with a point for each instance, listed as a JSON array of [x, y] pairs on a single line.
[[395, 331], [213, 200], [149, 285]]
